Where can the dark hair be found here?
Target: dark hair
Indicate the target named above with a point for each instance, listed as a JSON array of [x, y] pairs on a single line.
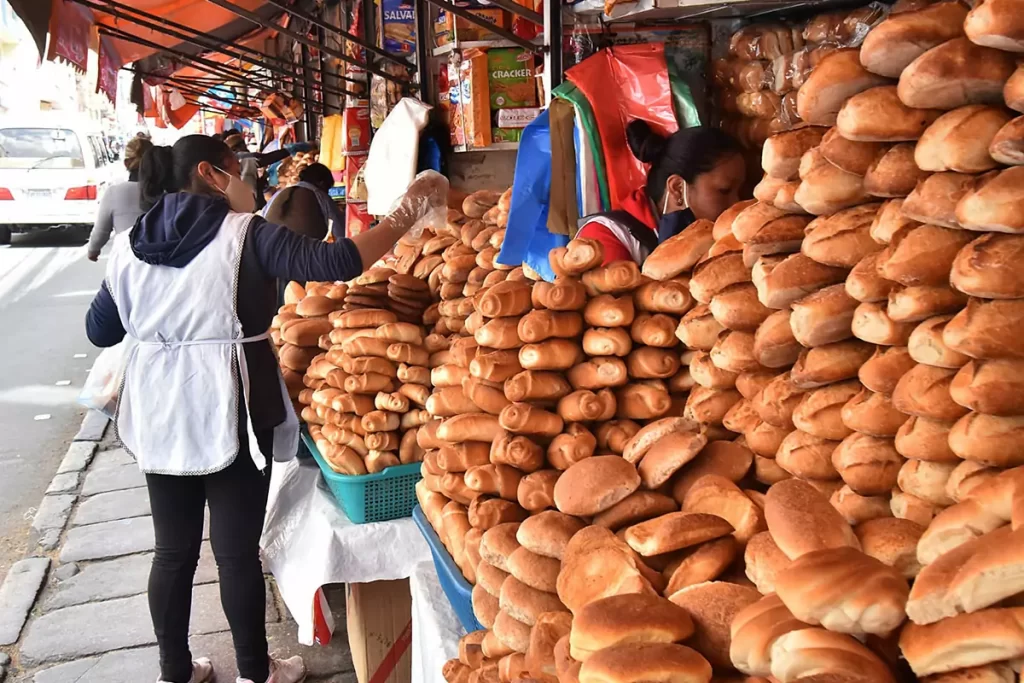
[[688, 152], [229, 133], [319, 175], [170, 169]]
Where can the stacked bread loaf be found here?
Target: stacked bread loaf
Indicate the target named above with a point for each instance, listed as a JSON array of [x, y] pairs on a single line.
[[757, 84], [300, 331]]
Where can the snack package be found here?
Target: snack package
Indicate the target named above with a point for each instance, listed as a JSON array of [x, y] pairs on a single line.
[[356, 127], [356, 187], [474, 96], [398, 26], [510, 78], [506, 134], [357, 219], [517, 118], [456, 112], [447, 26]]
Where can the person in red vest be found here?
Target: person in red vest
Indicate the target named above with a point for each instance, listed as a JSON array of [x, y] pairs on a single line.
[[694, 173]]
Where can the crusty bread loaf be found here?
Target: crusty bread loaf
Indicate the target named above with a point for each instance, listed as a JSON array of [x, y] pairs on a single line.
[[835, 79], [857, 509], [845, 591], [993, 387], [904, 36], [869, 465], [926, 345], [923, 255], [823, 317], [764, 561], [646, 662], [595, 484], [830, 363], [989, 440], [1007, 146], [712, 276], [774, 343], [730, 460], [927, 481], [865, 282], [795, 277], [872, 413], [914, 304], [800, 654], [712, 607], [882, 371], [923, 439], [991, 635], [674, 531], [995, 202], [820, 412], [871, 323], [987, 329], [894, 173], [626, 618], [681, 252], [801, 520], [842, 239], [878, 115], [807, 457], [995, 23], [988, 267], [780, 157], [851, 156], [935, 199], [955, 73], [959, 140], [890, 221], [826, 188], [714, 494]]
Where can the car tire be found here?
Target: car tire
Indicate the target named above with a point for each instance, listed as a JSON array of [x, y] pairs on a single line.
[[5, 235]]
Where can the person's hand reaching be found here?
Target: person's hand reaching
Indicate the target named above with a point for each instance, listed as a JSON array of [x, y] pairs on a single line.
[[426, 197]]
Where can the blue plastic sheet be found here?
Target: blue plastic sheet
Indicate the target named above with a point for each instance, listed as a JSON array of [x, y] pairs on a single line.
[[527, 240]]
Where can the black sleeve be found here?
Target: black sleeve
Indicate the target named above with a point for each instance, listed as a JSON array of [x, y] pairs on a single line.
[[286, 255], [264, 160], [102, 322]]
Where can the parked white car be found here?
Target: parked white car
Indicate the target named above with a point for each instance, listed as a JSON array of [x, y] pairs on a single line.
[[52, 173]]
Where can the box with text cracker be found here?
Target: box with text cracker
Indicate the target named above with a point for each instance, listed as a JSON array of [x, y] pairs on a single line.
[[510, 78]]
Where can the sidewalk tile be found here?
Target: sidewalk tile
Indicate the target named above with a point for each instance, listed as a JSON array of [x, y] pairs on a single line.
[[18, 594], [124, 666], [108, 539], [86, 630], [64, 483], [207, 614], [113, 479], [111, 458], [111, 506], [78, 457]]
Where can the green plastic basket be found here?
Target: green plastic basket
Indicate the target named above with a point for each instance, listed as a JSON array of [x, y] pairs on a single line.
[[380, 497]]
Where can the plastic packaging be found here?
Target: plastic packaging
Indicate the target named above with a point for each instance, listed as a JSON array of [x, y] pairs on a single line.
[[789, 72], [391, 165], [103, 385], [424, 204], [763, 104], [766, 41], [846, 28]]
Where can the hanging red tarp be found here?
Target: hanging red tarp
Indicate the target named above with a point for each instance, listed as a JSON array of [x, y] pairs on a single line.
[[106, 81], [639, 80], [70, 29]]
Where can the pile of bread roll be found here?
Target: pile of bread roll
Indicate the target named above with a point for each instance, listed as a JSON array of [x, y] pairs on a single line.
[[829, 485], [757, 84]]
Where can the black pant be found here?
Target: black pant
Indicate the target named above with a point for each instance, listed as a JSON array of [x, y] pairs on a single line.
[[237, 497]]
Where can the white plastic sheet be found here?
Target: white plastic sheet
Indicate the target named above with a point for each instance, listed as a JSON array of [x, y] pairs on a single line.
[[308, 542], [391, 164], [435, 627]]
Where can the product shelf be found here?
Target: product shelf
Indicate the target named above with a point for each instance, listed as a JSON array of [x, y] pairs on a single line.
[[468, 44], [681, 10], [496, 147]]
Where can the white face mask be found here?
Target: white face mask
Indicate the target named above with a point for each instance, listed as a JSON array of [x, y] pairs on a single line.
[[240, 196]]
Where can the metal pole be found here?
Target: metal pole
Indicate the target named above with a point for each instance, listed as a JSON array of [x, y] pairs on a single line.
[[307, 92], [553, 40], [303, 40], [365, 44], [369, 16], [422, 50]]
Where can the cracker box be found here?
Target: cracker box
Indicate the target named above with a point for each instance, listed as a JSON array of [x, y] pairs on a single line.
[[510, 78], [355, 121], [506, 134], [473, 96], [398, 26]]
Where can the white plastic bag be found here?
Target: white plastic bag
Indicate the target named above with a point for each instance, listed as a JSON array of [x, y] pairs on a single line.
[[391, 164], [103, 385], [424, 204]]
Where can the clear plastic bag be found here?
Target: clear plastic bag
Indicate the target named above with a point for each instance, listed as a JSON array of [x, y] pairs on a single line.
[[423, 206], [103, 386], [846, 28]]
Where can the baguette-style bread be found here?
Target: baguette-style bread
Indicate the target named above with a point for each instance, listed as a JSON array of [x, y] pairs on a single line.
[[776, 401], [996, 23], [723, 225], [936, 198], [890, 221], [737, 308], [959, 140], [871, 323], [884, 368], [873, 414], [914, 304], [800, 654], [988, 267], [954, 74], [842, 239], [712, 276], [795, 277], [923, 255], [834, 80], [865, 282], [989, 440], [927, 347], [878, 115], [826, 188], [993, 387], [851, 156], [823, 317], [991, 635], [1007, 146], [817, 367], [995, 202], [680, 253], [904, 36], [987, 329], [734, 351]]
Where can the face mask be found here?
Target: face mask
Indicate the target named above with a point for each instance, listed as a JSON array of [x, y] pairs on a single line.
[[671, 224], [240, 196]]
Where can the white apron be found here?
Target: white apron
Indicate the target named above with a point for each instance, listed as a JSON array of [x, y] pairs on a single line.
[[177, 411]]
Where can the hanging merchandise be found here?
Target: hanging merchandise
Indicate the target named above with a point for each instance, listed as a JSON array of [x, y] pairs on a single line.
[[356, 127], [391, 165], [562, 214], [530, 242], [585, 114], [644, 93], [331, 154], [281, 107]]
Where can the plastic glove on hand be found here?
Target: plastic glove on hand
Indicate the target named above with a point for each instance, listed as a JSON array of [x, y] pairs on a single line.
[[423, 204]]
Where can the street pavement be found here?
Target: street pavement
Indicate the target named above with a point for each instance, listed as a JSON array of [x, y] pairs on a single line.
[[46, 284]]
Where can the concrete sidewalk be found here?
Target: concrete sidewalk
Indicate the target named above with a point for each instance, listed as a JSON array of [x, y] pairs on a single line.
[[75, 610]]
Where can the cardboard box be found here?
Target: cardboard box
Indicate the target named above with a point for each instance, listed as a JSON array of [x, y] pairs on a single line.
[[517, 118], [398, 24], [506, 134], [379, 616], [447, 24]]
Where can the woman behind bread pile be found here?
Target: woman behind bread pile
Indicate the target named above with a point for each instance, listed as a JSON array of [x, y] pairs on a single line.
[[121, 205], [202, 406], [694, 173]]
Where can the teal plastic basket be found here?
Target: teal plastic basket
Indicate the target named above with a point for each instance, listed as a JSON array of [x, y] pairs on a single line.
[[380, 497]]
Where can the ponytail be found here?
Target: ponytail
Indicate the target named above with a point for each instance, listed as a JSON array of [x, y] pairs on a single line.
[[688, 153], [170, 169]]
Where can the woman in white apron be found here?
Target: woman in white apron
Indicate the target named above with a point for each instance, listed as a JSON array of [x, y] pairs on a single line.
[[202, 407]]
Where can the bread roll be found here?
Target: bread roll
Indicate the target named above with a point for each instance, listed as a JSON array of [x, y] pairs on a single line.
[[878, 115], [765, 439], [597, 564], [634, 661], [890, 221], [565, 294], [681, 252], [894, 173], [595, 484], [914, 304], [780, 156], [935, 199], [869, 465], [713, 606], [991, 635], [475, 427], [826, 189], [698, 329], [823, 317], [596, 373], [706, 374], [817, 367], [954, 74], [993, 203], [835, 79], [987, 267], [793, 278], [989, 439], [850, 155], [626, 618], [842, 239], [1007, 146], [923, 255], [459, 457], [799, 654], [992, 387], [730, 460], [607, 341], [995, 24], [667, 455], [873, 414], [959, 140], [754, 629], [872, 324], [806, 456], [539, 325], [642, 401], [819, 413], [774, 343], [706, 563], [714, 275], [857, 509], [553, 354], [882, 371], [986, 329], [865, 282], [896, 42], [801, 520], [716, 495]]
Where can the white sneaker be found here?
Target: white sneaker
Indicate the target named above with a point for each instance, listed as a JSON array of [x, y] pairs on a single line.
[[202, 671], [291, 670]]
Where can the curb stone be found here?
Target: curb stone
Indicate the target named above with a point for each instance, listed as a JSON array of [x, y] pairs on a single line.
[[18, 595]]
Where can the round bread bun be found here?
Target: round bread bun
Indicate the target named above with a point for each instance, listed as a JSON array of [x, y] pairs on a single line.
[[706, 563], [712, 607], [728, 459], [873, 414], [595, 484], [714, 494], [869, 465], [802, 520], [626, 619], [892, 542], [548, 533], [810, 651], [644, 662], [764, 561]]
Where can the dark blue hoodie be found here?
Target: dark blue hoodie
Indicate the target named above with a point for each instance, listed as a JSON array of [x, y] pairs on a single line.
[[180, 226]]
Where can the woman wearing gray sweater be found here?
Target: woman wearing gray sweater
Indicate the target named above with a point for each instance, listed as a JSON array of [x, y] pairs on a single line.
[[121, 205]]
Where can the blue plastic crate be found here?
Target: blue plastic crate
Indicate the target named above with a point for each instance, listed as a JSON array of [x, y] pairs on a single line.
[[380, 497], [455, 586]]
